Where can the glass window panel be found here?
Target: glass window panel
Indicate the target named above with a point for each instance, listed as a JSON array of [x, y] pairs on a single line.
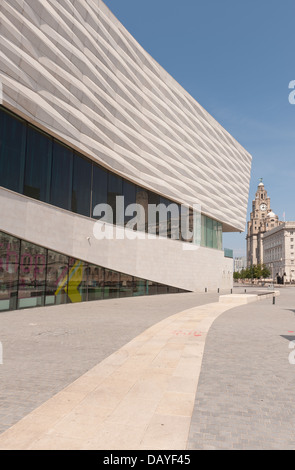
[[172, 290], [62, 175], [139, 287], [99, 187], [32, 276], [215, 234], [209, 225], [204, 231], [57, 278], [95, 281], [220, 240], [12, 151], [38, 165], [126, 285], [184, 223], [165, 219], [77, 281], [154, 199], [191, 225], [9, 265], [81, 193], [129, 193], [162, 289], [111, 284], [115, 188], [152, 288], [142, 199]]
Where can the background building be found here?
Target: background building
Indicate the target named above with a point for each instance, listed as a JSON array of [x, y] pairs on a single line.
[[262, 219], [240, 263], [279, 252], [88, 115]]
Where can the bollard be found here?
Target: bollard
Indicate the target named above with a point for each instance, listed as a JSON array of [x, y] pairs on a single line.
[[218, 291], [274, 300], [245, 291], [205, 289], [231, 291]]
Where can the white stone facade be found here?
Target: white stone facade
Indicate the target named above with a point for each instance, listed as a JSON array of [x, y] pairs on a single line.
[[72, 69]]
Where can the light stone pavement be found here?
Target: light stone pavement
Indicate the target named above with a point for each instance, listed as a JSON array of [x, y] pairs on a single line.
[[46, 349], [245, 397], [143, 396]]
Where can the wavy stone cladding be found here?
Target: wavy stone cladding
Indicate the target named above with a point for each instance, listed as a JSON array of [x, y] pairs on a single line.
[[70, 67]]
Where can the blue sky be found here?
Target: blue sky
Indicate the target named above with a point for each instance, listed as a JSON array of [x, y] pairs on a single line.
[[236, 59]]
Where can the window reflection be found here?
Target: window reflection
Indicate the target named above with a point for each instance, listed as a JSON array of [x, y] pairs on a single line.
[[9, 266], [57, 278], [61, 181], [95, 282], [38, 165], [139, 287], [12, 151], [126, 285], [82, 173], [32, 276], [112, 284]]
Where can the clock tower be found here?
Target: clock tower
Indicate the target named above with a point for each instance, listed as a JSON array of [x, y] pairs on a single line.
[[262, 220]]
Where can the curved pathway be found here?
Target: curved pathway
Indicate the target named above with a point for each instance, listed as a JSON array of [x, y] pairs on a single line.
[[245, 397]]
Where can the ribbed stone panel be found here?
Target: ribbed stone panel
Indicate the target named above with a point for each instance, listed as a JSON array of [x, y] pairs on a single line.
[[72, 68]]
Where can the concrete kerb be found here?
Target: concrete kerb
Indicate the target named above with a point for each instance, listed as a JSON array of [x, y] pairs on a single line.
[[140, 397], [248, 298]]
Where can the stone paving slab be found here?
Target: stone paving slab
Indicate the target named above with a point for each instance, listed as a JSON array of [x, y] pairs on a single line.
[[140, 397], [46, 349], [245, 396]]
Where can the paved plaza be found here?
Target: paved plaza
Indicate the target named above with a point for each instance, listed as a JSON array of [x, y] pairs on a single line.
[[245, 397], [171, 372]]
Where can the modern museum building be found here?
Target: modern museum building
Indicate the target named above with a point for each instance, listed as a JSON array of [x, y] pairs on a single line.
[[114, 181]]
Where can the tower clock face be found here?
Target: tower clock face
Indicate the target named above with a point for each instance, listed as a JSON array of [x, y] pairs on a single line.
[[263, 207]]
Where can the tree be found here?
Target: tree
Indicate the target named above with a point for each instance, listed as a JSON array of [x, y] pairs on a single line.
[[253, 272]]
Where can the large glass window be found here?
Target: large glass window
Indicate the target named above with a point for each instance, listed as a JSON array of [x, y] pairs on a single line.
[[9, 267], [209, 231], [35, 164], [162, 289], [153, 219], [111, 284], [220, 240], [82, 174], [57, 278], [115, 188], [126, 285], [95, 282], [142, 199], [77, 281], [38, 165], [139, 287], [204, 231], [12, 152], [152, 288], [129, 193], [62, 173], [215, 234], [32, 276], [99, 189]]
